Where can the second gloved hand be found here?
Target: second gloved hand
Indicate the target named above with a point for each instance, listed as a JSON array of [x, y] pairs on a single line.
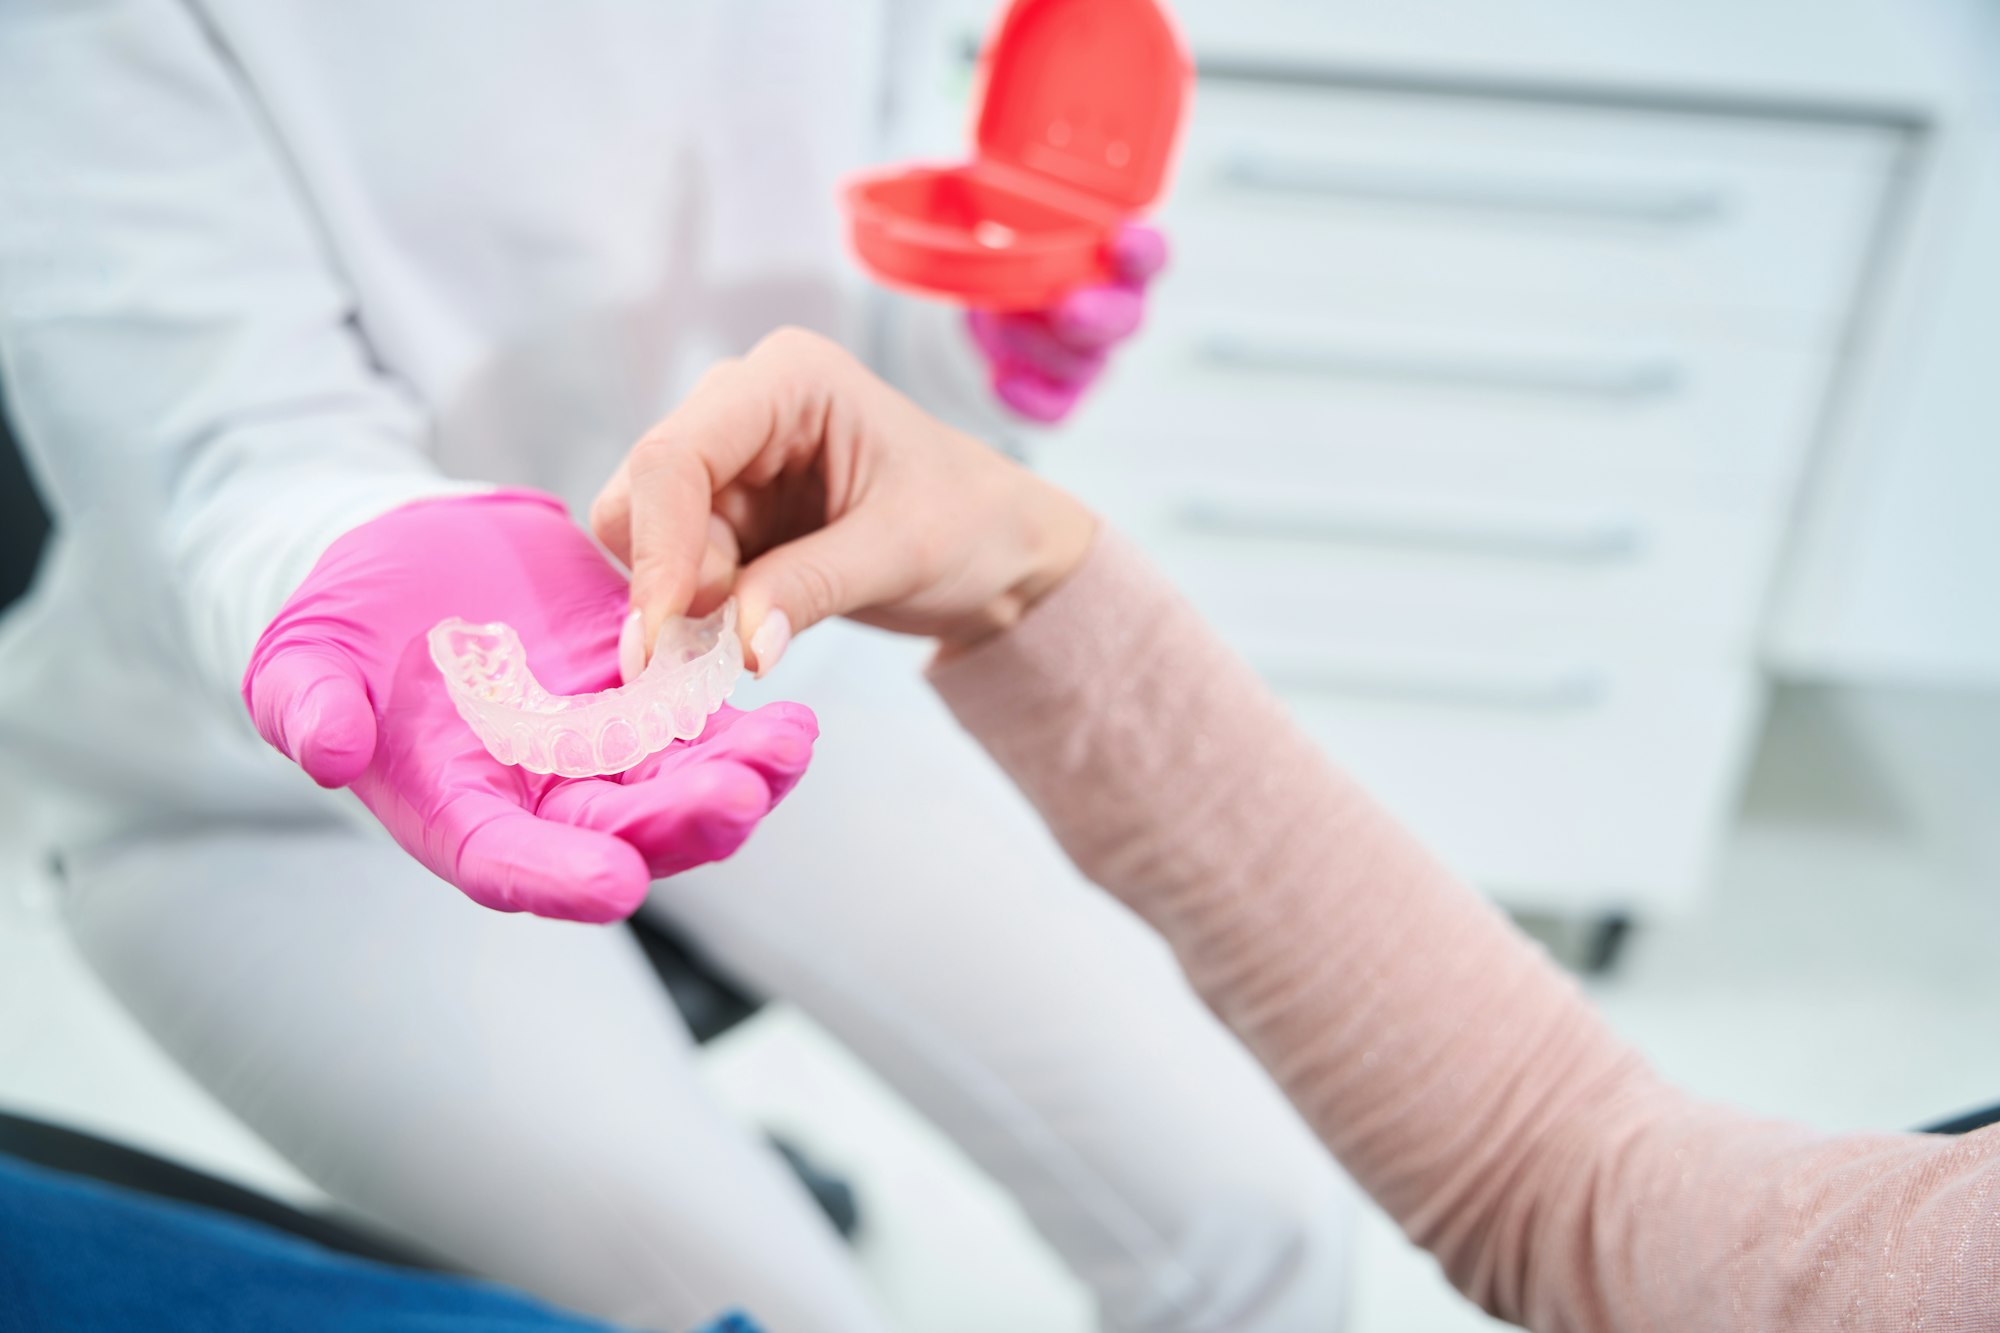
[[342, 683], [1043, 361]]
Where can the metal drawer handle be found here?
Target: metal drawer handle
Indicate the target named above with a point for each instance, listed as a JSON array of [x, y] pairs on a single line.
[[1572, 377], [1586, 540], [1683, 206], [1543, 689]]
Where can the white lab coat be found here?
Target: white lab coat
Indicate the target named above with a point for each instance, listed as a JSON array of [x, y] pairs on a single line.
[[269, 268]]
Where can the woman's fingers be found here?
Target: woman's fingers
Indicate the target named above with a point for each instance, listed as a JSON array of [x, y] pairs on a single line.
[[716, 578], [744, 421], [714, 583], [611, 513], [658, 502], [849, 565], [847, 498], [671, 488]]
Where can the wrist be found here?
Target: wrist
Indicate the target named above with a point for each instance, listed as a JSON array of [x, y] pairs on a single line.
[[1059, 537], [1053, 538]]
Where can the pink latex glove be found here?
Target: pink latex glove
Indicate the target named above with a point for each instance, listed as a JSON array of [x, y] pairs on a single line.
[[1044, 360], [343, 684]]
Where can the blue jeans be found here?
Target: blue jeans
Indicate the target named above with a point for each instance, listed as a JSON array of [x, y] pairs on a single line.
[[77, 1255]]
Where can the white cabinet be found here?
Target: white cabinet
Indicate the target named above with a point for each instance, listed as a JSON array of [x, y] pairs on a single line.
[[1475, 412], [1304, 194]]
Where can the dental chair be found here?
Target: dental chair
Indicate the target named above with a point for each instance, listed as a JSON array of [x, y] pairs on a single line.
[[709, 1002]]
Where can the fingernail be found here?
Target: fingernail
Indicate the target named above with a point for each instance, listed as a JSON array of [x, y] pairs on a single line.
[[768, 644], [632, 647]]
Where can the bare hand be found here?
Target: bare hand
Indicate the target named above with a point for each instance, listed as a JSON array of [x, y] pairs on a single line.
[[804, 486]]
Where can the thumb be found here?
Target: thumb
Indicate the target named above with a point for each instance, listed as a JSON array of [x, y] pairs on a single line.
[[834, 571], [312, 705]]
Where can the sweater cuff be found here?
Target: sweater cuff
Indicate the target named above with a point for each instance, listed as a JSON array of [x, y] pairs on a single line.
[[1081, 638]]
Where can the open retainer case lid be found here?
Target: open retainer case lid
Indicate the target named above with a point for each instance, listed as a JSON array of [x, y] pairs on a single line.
[[1080, 110]]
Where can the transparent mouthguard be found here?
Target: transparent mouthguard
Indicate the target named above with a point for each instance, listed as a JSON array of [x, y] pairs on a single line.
[[695, 665]]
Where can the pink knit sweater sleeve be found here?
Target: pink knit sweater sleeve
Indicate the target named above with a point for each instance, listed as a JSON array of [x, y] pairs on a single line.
[[1462, 1079]]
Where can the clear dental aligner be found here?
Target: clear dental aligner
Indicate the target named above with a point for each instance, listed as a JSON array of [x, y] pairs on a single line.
[[695, 665]]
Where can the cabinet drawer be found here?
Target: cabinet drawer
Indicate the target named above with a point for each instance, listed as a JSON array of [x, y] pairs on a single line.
[[1293, 196], [1577, 799], [1379, 571], [1510, 402], [1556, 700], [1451, 562]]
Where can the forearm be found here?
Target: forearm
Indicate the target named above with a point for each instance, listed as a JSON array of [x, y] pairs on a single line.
[[1340, 951], [1461, 1078]]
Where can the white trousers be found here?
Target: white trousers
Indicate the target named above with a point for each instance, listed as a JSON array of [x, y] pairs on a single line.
[[519, 1094]]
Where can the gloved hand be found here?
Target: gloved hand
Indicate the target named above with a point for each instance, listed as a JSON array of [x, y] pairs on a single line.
[[342, 683], [1043, 360]]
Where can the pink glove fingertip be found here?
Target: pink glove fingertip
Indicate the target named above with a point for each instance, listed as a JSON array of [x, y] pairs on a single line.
[[1037, 397], [675, 819], [728, 793], [339, 737], [737, 800], [800, 717], [517, 863], [1094, 317], [724, 804], [783, 748], [1138, 252]]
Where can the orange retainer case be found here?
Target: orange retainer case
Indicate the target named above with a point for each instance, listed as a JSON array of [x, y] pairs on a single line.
[[1080, 110]]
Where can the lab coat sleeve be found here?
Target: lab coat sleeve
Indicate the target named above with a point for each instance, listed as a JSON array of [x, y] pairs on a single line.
[[184, 364]]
